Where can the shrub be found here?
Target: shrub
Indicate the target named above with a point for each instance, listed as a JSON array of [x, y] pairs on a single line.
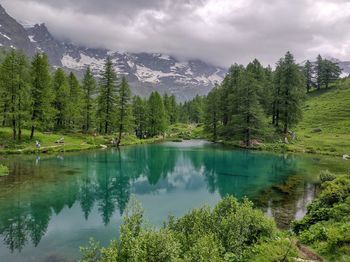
[[225, 233], [325, 175]]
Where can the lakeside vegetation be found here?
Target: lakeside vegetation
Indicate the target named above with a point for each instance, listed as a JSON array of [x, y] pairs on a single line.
[[3, 170], [235, 231]]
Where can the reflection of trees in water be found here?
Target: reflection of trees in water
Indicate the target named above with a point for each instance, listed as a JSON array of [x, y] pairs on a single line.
[[104, 179]]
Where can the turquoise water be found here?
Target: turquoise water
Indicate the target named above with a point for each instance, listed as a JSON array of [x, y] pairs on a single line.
[[49, 206]]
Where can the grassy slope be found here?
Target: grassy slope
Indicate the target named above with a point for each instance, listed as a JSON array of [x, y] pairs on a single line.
[[330, 111]]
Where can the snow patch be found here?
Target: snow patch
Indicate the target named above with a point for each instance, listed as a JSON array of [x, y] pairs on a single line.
[[82, 63], [145, 74], [6, 36], [31, 38]]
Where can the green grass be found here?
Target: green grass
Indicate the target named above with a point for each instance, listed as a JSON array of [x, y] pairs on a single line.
[[181, 131], [3, 170], [79, 141], [330, 111], [72, 142]]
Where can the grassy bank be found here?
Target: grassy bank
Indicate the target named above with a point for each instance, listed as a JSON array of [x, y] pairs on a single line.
[[72, 142]]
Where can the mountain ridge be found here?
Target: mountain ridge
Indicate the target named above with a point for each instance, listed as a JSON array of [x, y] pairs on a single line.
[[146, 72]]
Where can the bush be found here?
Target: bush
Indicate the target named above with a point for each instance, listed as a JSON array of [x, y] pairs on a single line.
[[226, 233], [325, 175], [326, 226]]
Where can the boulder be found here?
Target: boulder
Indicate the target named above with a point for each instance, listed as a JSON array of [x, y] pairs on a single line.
[[316, 130], [346, 157]]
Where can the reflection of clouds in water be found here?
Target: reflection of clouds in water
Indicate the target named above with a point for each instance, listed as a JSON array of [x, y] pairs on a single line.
[[306, 198]]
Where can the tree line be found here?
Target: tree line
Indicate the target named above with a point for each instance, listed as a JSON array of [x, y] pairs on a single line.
[[35, 97], [253, 100]]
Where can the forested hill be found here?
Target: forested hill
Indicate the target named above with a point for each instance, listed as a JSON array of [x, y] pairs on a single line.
[[146, 72]]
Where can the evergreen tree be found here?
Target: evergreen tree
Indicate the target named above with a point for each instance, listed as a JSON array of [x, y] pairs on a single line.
[[139, 107], [41, 93], [212, 112], [250, 114], [107, 98], [124, 110], [263, 81], [173, 110], [61, 102], [319, 72], [308, 74], [88, 90], [330, 73], [15, 89], [276, 104], [292, 92], [75, 102], [156, 116]]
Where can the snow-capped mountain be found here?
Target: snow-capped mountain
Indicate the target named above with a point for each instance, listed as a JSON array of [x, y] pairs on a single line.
[[145, 71]]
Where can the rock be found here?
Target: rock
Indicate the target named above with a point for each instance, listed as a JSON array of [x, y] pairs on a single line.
[[286, 140], [346, 157], [316, 130], [103, 146]]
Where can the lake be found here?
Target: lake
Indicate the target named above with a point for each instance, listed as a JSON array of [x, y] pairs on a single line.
[[52, 205]]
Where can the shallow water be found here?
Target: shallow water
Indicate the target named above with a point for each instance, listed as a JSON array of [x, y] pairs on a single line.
[[51, 205]]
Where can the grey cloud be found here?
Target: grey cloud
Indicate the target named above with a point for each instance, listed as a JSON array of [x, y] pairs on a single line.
[[217, 31]]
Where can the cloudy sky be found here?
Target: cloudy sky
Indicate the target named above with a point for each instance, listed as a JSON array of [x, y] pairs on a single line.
[[216, 31]]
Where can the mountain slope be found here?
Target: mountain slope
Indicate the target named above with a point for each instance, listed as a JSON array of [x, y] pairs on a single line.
[[325, 127], [145, 71]]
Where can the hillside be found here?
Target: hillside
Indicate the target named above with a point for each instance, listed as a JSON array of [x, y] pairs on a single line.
[[325, 127]]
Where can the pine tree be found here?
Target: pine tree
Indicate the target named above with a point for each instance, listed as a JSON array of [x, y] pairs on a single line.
[[41, 93], [330, 73], [124, 110], [107, 97], [308, 74], [88, 90], [276, 100], [139, 107], [212, 112], [156, 116], [292, 92], [75, 102], [250, 113], [15, 91], [61, 101], [173, 110], [319, 72]]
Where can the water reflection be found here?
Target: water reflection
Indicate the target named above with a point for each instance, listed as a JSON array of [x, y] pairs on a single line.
[[38, 189]]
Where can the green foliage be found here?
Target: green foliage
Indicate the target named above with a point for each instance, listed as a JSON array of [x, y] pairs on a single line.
[[278, 249], [326, 175], [156, 115], [75, 103], [124, 110], [61, 101], [15, 92], [107, 98], [290, 92], [326, 225], [212, 112], [139, 107], [3, 170], [232, 231], [88, 101], [41, 93]]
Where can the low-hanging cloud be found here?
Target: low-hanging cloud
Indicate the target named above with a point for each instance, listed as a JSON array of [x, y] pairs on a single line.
[[217, 31]]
